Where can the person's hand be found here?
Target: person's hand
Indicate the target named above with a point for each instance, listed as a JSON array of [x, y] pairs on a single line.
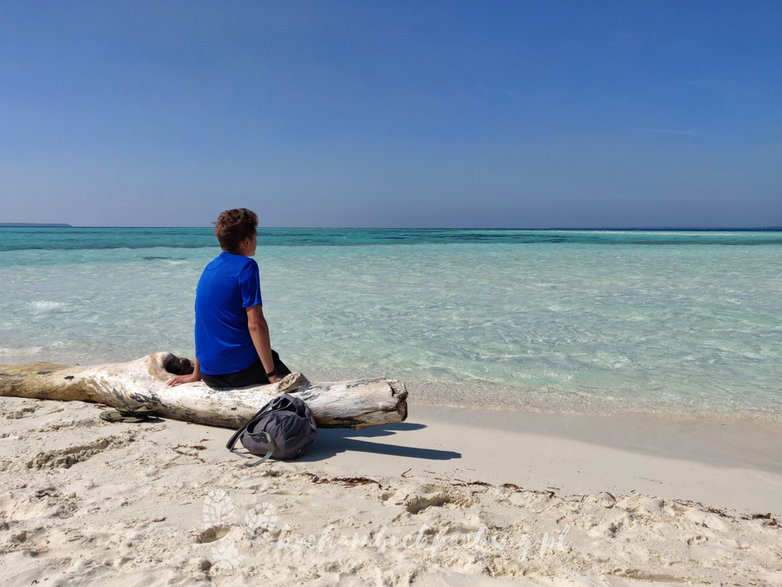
[[274, 379], [179, 379]]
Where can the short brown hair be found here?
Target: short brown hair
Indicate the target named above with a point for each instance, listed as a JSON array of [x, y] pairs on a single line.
[[233, 226]]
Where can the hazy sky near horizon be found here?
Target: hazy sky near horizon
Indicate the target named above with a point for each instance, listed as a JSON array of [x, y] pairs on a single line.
[[395, 113]]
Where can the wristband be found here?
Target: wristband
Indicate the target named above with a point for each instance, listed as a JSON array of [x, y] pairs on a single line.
[[272, 373]]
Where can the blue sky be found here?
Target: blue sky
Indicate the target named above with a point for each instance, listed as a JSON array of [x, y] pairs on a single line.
[[365, 113]]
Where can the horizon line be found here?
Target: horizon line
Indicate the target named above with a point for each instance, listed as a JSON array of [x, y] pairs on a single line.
[[586, 228]]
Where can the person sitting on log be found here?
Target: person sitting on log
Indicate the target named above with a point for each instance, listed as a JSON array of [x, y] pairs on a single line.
[[232, 342]]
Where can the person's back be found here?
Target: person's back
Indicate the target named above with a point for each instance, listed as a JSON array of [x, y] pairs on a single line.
[[228, 285], [233, 348]]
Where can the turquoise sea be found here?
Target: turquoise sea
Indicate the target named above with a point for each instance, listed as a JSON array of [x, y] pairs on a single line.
[[580, 321]]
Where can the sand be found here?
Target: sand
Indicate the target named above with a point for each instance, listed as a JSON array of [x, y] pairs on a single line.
[[450, 497]]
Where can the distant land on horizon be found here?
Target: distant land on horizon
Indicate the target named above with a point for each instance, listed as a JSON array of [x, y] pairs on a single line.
[[34, 225]]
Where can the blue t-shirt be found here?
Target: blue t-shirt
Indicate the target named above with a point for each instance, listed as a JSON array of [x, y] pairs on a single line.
[[228, 285]]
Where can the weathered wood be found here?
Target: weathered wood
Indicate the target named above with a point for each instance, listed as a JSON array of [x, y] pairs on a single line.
[[348, 404]]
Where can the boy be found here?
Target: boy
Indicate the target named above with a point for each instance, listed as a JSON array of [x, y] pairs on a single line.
[[232, 342]]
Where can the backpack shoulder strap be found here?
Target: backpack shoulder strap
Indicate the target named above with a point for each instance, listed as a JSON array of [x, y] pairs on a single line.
[[231, 444], [232, 441], [264, 458]]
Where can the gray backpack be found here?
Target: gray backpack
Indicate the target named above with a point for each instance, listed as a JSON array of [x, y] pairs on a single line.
[[282, 429]]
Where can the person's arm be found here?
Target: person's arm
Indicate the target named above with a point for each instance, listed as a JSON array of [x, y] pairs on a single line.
[[191, 378], [259, 332]]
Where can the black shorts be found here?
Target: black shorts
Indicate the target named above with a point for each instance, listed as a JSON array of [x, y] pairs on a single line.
[[255, 374]]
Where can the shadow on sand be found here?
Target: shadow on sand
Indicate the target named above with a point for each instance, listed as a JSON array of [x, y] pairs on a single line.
[[332, 441]]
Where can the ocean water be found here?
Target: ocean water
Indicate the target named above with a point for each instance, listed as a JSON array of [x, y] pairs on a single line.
[[578, 321]]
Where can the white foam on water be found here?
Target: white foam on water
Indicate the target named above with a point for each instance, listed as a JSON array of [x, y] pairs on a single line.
[[45, 305], [20, 351]]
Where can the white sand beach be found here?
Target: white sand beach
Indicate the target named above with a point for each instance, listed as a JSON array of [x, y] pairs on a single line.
[[450, 497]]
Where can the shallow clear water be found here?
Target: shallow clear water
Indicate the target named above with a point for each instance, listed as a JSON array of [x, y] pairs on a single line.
[[666, 321]]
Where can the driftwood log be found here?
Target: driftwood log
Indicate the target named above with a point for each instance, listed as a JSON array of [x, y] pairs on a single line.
[[348, 404]]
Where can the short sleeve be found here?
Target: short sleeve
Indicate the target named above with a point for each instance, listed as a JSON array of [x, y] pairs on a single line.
[[250, 285]]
